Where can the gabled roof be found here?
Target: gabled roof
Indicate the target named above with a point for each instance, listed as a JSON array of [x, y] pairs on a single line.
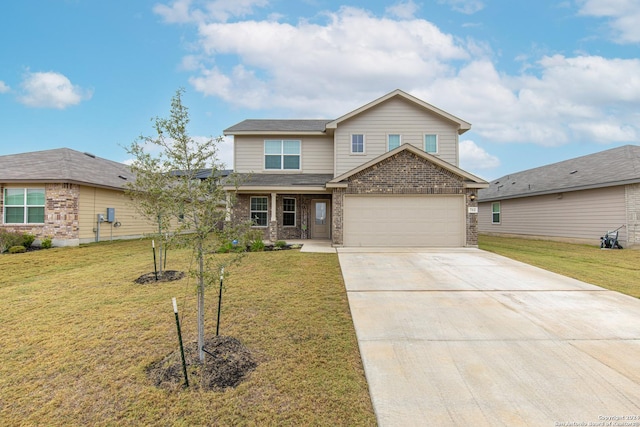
[[280, 127], [471, 181], [63, 165], [617, 166], [462, 125], [327, 126]]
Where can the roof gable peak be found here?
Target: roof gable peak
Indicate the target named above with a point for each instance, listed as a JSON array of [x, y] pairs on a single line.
[[463, 126]]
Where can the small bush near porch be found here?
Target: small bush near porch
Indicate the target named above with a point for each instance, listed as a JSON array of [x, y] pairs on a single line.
[[79, 334]]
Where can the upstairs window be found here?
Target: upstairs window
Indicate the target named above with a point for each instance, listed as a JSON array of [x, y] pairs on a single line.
[[495, 213], [24, 205], [288, 212], [259, 211], [393, 141], [282, 154], [357, 143], [431, 144]]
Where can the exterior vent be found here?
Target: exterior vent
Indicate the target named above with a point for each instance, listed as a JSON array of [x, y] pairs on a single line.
[[122, 177], [93, 156], [572, 172]]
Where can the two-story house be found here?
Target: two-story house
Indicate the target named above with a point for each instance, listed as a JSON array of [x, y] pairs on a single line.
[[385, 174]]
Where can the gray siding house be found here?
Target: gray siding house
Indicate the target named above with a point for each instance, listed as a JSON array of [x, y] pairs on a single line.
[[575, 200], [385, 174]]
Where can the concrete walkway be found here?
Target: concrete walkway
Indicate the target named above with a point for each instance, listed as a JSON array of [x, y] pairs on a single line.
[[465, 337]]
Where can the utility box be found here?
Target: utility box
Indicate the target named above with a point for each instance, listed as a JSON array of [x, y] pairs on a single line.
[[111, 214], [100, 217]]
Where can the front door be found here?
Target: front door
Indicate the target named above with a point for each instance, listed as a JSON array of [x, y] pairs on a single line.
[[321, 219]]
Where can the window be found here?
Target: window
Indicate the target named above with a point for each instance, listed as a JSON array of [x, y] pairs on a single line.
[[259, 211], [393, 141], [357, 143], [24, 205], [431, 143], [495, 213], [289, 212], [282, 154]]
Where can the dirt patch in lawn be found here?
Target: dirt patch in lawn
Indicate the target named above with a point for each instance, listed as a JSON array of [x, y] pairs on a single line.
[[227, 363], [166, 276]]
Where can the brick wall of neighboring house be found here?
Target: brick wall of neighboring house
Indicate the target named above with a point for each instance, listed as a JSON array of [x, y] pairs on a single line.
[[60, 215], [632, 198], [404, 173]]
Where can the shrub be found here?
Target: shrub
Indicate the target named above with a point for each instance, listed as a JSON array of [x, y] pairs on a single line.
[[18, 249], [257, 246], [229, 247], [280, 244], [9, 239], [46, 243], [27, 240]]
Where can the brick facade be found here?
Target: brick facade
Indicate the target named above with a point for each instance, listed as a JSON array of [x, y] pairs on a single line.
[[61, 215], [404, 173]]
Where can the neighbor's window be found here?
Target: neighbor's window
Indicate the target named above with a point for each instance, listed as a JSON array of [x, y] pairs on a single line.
[[282, 154], [431, 143], [288, 212], [357, 143], [495, 213], [24, 205], [259, 211], [393, 141]]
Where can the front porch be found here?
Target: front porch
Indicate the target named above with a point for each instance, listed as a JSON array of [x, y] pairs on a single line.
[[286, 216]]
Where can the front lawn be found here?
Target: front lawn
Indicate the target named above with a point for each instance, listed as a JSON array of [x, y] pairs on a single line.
[[613, 269], [78, 335]]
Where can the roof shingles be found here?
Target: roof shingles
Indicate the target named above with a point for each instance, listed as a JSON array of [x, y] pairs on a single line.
[[63, 165], [607, 168]]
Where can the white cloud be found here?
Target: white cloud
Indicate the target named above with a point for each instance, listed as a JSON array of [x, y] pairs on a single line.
[[50, 90], [4, 88], [354, 55], [623, 16], [325, 69], [403, 10], [225, 152], [467, 7], [473, 157], [181, 11]]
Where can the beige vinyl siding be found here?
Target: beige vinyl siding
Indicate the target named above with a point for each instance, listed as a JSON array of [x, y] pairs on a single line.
[[96, 200], [582, 215], [316, 152], [395, 116], [404, 220]]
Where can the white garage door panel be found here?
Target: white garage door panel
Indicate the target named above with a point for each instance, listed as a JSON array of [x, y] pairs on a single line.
[[437, 221]]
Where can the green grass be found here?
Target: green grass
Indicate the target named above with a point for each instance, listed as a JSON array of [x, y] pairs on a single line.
[[78, 334], [617, 270]]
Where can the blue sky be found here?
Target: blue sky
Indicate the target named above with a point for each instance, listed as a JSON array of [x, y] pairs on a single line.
[[540, 81]]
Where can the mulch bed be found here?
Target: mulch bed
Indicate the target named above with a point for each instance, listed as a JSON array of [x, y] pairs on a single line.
[[227, 364], [166, 276]]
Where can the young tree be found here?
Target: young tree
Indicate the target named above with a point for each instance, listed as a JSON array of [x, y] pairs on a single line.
[[180, 187]]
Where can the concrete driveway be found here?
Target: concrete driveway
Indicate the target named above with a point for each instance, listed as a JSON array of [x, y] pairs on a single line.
[[465, 337]]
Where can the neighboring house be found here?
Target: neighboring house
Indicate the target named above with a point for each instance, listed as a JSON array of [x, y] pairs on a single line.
[[575, 200], [60, 193], [385, 174]]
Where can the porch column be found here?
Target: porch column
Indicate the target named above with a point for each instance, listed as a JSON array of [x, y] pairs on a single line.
[[273, 223], [227, 216]]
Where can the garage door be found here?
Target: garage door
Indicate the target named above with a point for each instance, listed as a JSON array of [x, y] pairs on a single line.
[[417, 221]]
